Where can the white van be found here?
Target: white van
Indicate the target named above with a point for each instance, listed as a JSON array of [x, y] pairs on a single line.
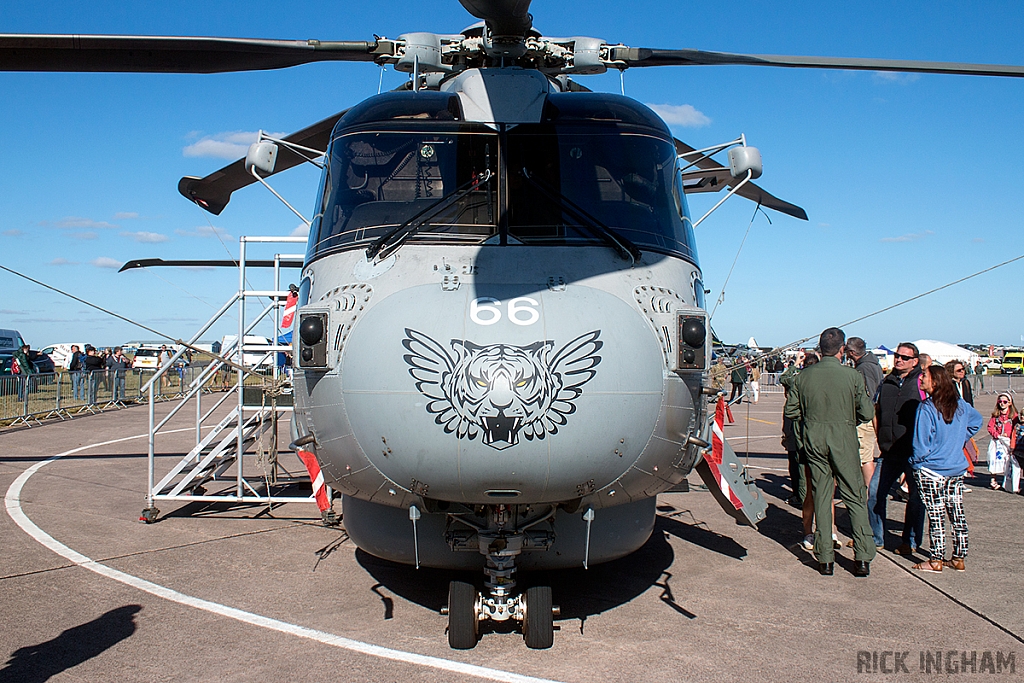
[[60, 354], [10, 341]]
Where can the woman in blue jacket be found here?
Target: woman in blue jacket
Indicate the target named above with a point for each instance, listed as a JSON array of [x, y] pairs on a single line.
[[944, 422]]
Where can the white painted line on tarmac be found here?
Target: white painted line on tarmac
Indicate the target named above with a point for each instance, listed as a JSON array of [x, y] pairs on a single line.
[[12, 502]]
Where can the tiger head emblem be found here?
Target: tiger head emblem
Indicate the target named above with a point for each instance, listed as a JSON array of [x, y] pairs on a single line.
[[501, 391]]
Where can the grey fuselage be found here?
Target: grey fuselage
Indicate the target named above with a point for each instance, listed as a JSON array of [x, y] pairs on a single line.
[[500, 369]]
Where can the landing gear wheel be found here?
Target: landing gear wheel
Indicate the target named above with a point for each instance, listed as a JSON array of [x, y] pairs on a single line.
[[149, 515], [539, 626], [463, 624]]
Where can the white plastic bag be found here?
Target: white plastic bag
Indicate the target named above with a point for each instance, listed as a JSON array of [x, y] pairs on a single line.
[[998, 452]]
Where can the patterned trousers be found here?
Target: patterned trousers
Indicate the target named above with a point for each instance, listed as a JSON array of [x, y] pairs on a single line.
[[942, 496]]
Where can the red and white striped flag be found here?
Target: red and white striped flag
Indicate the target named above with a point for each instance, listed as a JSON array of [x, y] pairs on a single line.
[[289, 310], [715, 459], [317, 477]]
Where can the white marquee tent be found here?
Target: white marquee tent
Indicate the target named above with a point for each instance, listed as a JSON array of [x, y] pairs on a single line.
[[943, 352]]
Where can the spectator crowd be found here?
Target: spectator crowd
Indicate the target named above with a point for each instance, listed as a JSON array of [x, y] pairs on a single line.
[[93, 372], [853, 431]]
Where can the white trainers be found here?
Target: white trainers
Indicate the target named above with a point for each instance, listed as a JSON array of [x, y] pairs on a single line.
[[808, 542]]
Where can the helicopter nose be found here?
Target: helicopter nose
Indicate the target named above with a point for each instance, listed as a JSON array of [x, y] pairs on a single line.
[[409, 377]]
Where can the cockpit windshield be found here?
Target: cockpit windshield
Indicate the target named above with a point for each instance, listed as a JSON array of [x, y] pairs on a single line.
[[626, 182], [380, 180], [596, 170]]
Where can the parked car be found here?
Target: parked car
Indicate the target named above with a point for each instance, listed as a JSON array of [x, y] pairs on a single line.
[[9, 381], [147, 357], [10, 341], [40, 361], [1013, 363]]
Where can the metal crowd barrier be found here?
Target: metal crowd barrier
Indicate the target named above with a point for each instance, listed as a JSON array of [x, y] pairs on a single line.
[[32, 398], [980, 384]]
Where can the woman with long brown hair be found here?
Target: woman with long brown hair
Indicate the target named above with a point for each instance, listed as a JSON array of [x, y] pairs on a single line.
[[944, 422]]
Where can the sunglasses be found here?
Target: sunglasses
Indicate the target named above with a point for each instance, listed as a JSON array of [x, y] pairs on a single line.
[[902, 357], [1004, 403]]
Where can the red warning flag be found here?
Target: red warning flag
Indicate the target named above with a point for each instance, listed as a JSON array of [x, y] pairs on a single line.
[[714, 460], [317, 477], [289, 310]]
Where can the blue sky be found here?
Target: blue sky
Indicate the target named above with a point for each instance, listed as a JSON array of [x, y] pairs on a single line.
[[909, 181]]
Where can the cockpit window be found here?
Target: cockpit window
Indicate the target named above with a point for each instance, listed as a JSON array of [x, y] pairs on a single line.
[[625, 181], [379, 180]]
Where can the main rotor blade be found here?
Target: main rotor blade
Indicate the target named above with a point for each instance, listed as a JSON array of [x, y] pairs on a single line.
[[206, 263], [173, 54], [503, 17], [214, 191], [642, 56]]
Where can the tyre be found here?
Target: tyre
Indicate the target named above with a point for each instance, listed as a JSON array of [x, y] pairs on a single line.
[[539, 626], [463, 624]]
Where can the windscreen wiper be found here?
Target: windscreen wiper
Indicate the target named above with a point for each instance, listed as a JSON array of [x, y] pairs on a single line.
[[621, 244], [386, 244]]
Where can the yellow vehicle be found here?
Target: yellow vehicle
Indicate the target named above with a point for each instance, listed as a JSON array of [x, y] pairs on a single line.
[[1013, 363]]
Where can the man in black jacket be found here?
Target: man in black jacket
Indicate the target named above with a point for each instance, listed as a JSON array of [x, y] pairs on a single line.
[[94, 368], [76, 365], [895, 413]]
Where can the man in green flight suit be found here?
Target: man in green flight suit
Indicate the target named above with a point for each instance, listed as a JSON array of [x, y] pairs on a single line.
[[828, 400]]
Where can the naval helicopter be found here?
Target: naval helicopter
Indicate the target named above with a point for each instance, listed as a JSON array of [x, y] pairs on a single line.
[[502, 340]]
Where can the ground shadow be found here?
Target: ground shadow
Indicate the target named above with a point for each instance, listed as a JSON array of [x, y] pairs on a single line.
[[37, 663], [777, 485], [580, 593], [684, 526], [242, 509]]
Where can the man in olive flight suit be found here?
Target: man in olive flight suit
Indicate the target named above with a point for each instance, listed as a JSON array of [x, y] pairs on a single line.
[[829, 401]]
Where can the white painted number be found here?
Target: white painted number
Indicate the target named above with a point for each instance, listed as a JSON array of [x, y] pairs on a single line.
[[521, 311], [523, 304], [487, 306]]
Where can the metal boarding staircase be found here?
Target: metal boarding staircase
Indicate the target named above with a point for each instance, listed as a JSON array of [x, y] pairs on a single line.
[[235, 457]]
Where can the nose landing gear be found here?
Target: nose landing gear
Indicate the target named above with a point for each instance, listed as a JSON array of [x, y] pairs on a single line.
[[467, 608]]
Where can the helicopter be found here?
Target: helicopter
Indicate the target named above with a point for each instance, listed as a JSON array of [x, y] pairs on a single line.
[[502, 343]]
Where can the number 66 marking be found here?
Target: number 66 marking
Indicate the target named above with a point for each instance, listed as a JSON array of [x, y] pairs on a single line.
[[486, 310]]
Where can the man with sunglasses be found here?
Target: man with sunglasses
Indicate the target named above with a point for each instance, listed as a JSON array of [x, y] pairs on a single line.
[[895, 414]]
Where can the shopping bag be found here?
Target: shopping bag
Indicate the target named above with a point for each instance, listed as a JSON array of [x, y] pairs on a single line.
[[997, 454]]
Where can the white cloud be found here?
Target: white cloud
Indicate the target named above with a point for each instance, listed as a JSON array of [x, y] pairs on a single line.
[[301, 230], [59, 261], [105, 262], [685, 115], [205, 231], [146, 237], [223, 145], [125, 215], [83, 235], [897, 78], [909, 237], [76, 223], [13, 233]]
